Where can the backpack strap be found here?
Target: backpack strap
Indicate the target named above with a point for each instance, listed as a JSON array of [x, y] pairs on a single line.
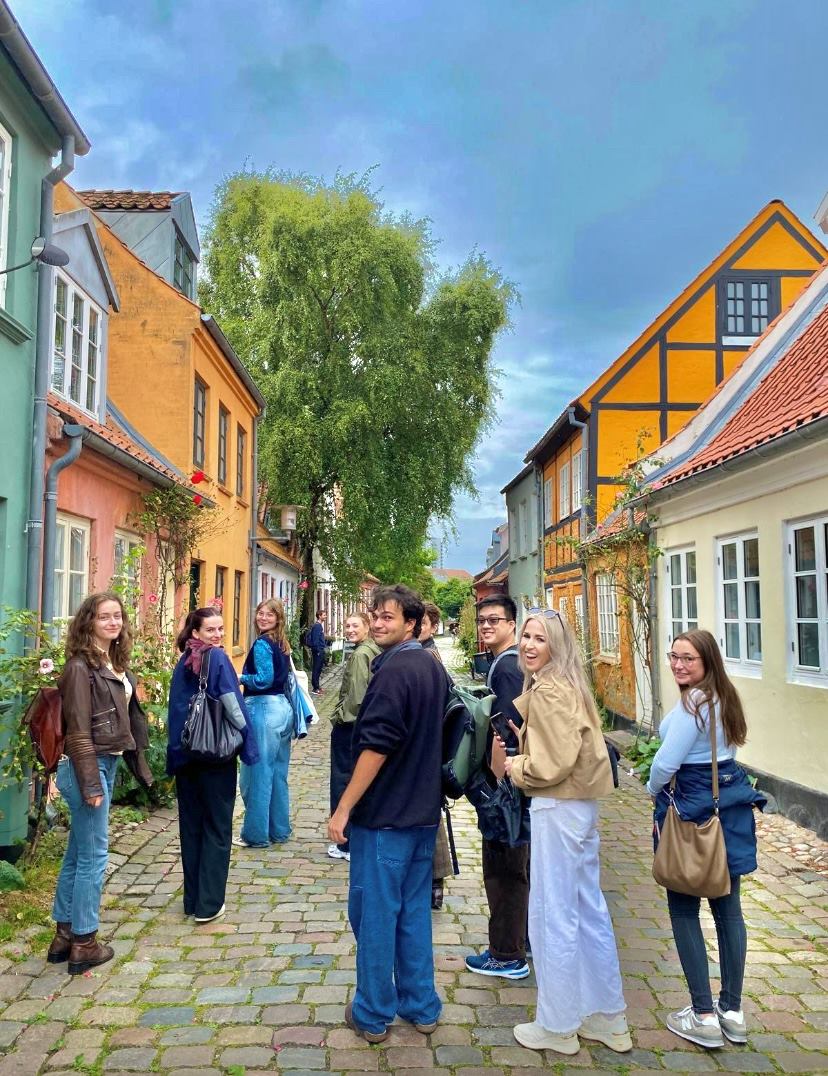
[[493, 666]]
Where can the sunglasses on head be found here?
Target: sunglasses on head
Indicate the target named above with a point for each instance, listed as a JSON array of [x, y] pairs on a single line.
[[550, 614]]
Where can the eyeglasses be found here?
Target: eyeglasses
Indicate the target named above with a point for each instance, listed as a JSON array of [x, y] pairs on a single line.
[[681, 659], [493, 620], [549, 614]]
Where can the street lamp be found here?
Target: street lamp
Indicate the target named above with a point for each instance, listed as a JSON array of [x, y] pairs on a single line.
[[44, 252]]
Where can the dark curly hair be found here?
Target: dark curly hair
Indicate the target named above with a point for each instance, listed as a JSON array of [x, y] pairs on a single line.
[[80, 640]]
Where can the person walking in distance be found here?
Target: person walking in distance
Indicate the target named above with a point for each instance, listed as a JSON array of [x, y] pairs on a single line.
[[505, 867], [392, 803], [317, 643]]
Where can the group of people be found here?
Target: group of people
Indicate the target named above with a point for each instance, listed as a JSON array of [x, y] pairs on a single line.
[[543, 886]]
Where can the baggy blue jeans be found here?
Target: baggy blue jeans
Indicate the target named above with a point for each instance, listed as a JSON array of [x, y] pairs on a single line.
[[389, 906], [80, 882], [264, 786]]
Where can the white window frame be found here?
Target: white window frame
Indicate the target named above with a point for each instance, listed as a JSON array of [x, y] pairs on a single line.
[[563, 490], [577, 481], [5, 207], [579, 615], [680, 590], [63, 569], [523, 528], [132, 541], [798, 673], [606, 604], [741, 665], [563, 607], [86, 345], [547, 503], [513, 534]]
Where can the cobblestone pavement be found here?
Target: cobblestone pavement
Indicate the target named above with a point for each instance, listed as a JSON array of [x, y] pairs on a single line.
[[264, 988]]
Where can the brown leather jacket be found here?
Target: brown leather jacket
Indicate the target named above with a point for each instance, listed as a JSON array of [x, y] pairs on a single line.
[[98, 722]]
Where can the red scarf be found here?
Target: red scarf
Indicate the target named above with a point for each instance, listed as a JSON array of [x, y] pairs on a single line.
[[195, 649]]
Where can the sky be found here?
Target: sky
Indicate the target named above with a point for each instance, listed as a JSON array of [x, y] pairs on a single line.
[[598, 153]]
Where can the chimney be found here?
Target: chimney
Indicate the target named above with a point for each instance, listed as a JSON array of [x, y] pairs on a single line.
[[821, 215]]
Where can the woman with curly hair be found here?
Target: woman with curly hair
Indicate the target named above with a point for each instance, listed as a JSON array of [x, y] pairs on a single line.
[[104, 721]]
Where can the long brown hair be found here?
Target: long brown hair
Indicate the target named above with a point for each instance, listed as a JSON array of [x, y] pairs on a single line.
[[277, 632], [80, 641], [715, 685]]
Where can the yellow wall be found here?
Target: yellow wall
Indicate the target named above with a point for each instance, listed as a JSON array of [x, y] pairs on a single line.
[[560, 538]]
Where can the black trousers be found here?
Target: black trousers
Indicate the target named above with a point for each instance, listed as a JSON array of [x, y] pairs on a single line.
[[206, 797], [506, 877], [342, 766], [316, 668]]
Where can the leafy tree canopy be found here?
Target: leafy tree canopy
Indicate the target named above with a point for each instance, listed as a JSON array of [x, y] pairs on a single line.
[[451, 596], [377, 376]]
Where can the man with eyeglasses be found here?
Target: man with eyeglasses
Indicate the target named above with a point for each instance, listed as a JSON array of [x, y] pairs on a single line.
[[505, 867]]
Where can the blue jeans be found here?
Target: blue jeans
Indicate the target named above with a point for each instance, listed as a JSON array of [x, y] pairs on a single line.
[[389, 906], [80, 882], [264, 786]]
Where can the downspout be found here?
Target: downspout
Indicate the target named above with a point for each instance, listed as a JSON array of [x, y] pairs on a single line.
[[582, 526], [254, 541], [540, 594], [652, 612], [45, 276], [75, 434]]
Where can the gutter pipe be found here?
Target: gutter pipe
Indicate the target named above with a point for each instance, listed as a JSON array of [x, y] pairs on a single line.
[[45, 277], [75, 434], [582, 527], [254, 541]]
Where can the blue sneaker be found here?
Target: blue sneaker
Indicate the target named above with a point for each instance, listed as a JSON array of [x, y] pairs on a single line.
[[485, 964]]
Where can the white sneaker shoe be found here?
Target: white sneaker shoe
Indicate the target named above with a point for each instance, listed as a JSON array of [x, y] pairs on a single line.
[[612, 1031], [732, 1024], [702, 1030], [336, 853], [210, 918], [536, 1037]]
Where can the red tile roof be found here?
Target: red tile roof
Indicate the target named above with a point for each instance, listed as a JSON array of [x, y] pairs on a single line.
[[152, 200], [793, 394], [444, 574]]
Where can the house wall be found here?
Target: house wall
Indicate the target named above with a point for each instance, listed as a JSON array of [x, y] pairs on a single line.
[[524, 564], [787, 727]]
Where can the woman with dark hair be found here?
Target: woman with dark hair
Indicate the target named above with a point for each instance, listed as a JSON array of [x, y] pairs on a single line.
[[103, 722], [264, 786], [685, 754], [206, 792]]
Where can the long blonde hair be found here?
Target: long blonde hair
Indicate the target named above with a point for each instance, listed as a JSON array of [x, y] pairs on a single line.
[[565, 662]]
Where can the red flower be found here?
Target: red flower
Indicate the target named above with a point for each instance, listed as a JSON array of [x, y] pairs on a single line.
[[197, 498], [303, 585], [197, 476], [152, 598]]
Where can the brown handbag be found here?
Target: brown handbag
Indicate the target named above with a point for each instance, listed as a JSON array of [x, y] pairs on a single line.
[[690, 858]]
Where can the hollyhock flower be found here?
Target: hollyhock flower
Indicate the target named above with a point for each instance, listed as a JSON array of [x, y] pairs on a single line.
[[46, 666], [152, 599], [197, 476], [197, 498]]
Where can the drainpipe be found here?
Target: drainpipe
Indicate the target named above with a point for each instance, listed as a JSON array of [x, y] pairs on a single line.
[[254, 542], [75, 434], [652, 612], [45, 276], [582, 526]]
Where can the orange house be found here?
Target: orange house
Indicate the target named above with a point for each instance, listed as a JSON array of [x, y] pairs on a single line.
[[175, 378]]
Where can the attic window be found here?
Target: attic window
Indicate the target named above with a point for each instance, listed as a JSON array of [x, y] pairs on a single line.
[[747, 307], [184, 268]]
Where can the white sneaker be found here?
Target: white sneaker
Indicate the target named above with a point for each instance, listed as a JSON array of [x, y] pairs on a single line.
[[336, 853], [702, 1030], [210, 918], [536, 1037], [612, 1031], [732, 1024]]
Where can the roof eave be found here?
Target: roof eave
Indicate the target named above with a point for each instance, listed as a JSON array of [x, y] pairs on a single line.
[[212, 326], [549, 442]]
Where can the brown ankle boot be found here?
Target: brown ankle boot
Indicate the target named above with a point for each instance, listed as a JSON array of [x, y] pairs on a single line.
[[61, 944], [87, 953]]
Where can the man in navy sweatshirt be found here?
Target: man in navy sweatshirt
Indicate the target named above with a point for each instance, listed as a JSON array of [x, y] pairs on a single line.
[[393, 805], [317, 643]]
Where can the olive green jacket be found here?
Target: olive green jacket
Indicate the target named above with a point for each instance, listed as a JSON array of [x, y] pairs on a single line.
[[354, 683]]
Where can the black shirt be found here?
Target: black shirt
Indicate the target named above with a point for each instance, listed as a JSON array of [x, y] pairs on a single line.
[[401, 717]]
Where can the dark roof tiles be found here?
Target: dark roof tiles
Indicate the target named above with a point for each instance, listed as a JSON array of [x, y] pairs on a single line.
[[127, 200]]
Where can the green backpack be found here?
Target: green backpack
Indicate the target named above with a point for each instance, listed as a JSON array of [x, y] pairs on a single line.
[[465, 731]]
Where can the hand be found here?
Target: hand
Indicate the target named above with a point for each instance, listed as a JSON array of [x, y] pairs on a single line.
[[499, 756], [94, 801], [336, 825], [507, 765]]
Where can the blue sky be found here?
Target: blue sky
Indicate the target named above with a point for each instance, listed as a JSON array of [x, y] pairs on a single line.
[[600, 153]]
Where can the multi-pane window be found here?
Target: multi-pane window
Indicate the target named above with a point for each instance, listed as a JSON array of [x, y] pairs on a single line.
[[563, 490], [127, 575], [740, 614], [749, 307], [223, 428], [5, 193], [241, 451], [199, 421], [524, 527], [547, 503], [183, 268], [680, 570], [237, 597], [71, 564], [579, 614], [808, 583], [606, 595], [513, 533], [76, 346], [577, 481], [563, 608], [221, 574]]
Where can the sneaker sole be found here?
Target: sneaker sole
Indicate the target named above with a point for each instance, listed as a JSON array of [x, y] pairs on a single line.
[[567, 1049], [697, 1039], [500, 974], [738, 1037], [621, 1044]]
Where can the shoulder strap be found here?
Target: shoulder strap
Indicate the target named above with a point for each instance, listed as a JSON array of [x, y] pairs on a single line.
[[493, 666], [205, 671], [711, 709]]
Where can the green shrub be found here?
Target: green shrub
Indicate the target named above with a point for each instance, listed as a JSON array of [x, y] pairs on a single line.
[[10, 878], [641, 754], [162, 794]]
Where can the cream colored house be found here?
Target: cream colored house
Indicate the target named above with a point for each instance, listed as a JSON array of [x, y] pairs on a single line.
[[741, 515]]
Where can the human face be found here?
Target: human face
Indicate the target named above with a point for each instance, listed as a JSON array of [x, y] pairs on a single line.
[[686, 664], [426, 629], [107, 625], [499, 635], [534, 648], [211, 630], [388, 626], [356, 630], [265, 619]]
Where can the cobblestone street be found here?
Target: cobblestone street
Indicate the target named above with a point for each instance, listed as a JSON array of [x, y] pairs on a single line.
[[264, 988]]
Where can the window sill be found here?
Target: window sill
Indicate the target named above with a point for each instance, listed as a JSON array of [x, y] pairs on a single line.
[[241, 500], [12, 328], [608, 659], [224, 489], [747, 672], [739, 341], [802, 678]]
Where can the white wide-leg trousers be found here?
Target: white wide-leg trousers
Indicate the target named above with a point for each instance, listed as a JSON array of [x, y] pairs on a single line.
[[570, 930]]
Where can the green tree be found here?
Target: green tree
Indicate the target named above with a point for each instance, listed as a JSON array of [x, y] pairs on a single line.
[[451, 596], [377, 376], [413, 569]]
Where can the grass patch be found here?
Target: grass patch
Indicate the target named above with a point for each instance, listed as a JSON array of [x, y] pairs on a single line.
[[32, 906]]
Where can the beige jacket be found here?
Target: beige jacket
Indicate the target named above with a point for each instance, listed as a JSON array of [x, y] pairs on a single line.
[[561, 749]]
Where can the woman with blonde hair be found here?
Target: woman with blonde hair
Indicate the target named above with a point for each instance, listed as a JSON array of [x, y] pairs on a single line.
[[264, 785], [562, 764]]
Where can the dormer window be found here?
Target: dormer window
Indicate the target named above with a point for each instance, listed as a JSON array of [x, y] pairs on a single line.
[[747, 305], [184, 268], [76, 346]]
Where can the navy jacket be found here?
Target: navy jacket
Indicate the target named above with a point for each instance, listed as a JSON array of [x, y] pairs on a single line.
[[221, 680], [737, 798], [316, 637]]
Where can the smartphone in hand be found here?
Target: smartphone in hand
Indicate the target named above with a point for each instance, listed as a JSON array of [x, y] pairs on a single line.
[[501, 728]]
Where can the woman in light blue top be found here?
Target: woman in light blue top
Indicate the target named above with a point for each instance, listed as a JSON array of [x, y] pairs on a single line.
[[685, 754]]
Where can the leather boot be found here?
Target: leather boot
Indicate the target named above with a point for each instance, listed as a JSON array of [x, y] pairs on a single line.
[[87, 953], [61, 944], [436, 894]]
